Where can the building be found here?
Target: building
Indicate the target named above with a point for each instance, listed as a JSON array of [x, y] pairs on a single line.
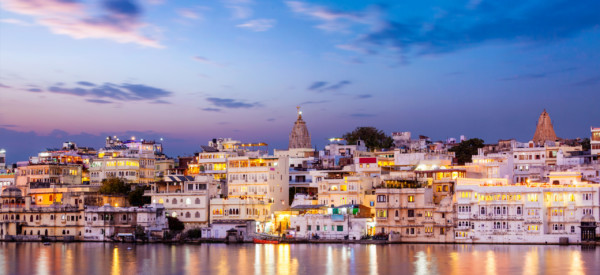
[[20, 220], [185, 198], [407, 213], [595, 142], [132, 160], [492, 211], [52, 174], [321, 222], [338, 188], [107, 223], [2, 159]]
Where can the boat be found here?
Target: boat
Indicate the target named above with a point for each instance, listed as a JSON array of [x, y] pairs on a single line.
[[46, 243], [261, 241]]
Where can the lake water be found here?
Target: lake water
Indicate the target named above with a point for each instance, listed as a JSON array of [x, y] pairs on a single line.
[[313, 259]]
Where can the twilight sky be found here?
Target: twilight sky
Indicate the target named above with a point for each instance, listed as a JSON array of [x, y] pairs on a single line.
[[189, 71]]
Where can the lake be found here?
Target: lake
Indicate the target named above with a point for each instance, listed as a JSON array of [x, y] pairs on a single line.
[[314, 259]]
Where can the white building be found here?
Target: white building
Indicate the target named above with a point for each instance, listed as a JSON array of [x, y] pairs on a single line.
[[331, 226], [109, 223], [185, 198], [491, 211]]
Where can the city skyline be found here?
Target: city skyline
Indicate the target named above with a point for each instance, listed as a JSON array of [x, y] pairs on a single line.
[[190, 72]]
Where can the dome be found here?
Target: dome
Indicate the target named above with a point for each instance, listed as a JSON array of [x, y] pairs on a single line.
[[12, 191], [588, 218]]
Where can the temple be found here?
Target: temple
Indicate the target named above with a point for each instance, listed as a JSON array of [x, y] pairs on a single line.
[[299, 137], [544, 130]]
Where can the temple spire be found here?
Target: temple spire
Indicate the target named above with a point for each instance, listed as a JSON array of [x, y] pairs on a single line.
[[299, 137], [544, 130]]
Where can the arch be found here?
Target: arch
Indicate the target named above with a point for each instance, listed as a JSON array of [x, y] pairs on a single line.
[[197, 201], [31, 218], [396, 212], [519, 212], [46, 232], [187, 214], [197, 215]]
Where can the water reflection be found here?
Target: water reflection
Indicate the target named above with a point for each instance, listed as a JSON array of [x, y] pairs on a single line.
[[312, 259]]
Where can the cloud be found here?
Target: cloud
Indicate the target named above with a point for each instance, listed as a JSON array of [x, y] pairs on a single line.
[[530, 76], [116, 20], [337, 86], [122, 92], [4, 86], [15, 22], [364, 96], [207, 61], [231, 103], [99, 101], [85, 83], [314, 102], [8, 125], [189, 14], [317, 85], [361, 115], [34, 90], [160, 101], [258, 25], [588, 82], [271, 119], [456, 27], [322, 86], [211, 109], [240, 9]]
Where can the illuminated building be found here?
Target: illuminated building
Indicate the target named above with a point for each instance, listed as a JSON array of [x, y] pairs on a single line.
[[132, 160], [406, 211], [2, 159], [312, 221], [338, 187], [20, 220], [49, 174], [595, 142], [492, 211]]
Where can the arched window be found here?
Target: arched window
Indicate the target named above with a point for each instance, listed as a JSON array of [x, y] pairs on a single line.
[[197, 200], [187, 214], [188, 201], [518, 210], [31, 218], [197, 214], [396, 213]]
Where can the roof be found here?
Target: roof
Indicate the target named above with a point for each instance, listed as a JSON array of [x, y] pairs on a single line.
[[588, 218], [348, 206]]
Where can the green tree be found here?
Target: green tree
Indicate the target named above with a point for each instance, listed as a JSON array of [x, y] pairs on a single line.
[[114, 186], [465, 150], [374, 139], [137, 198]]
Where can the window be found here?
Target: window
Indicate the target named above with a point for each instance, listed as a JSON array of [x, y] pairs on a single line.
[[396, 213], [318, 227], [587, 196], [381, 198], [411, 213], [309, 227], [382, 213], [519, 212], [411, 198], [340, 228], [482, 211], [572, 229]]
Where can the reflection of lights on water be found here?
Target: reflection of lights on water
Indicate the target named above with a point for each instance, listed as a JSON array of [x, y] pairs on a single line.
[[576, 263], [116, 266], [531, 262], [43, 263], [421, 264], [490, 263], [373, 259]]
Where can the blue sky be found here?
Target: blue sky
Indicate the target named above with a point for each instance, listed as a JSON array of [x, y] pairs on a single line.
[[189, 71]]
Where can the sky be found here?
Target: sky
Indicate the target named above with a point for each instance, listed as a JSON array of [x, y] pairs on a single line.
[[190, 71]]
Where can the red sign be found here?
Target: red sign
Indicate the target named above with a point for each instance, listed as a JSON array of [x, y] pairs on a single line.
[[367, 160]]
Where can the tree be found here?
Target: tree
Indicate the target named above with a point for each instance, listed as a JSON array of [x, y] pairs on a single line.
[[137, 198], [373, 138], [114, 186], [175, 224], [465, 150], [585, 144]]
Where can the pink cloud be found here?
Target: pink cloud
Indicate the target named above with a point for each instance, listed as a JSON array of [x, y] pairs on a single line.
[[72, 19]]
